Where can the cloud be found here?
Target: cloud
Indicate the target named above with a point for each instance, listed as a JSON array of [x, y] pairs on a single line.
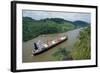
[[71, 16]]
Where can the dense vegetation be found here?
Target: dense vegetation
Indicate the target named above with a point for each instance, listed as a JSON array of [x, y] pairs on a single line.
[[82, 49], [62, 54], [33, 28]]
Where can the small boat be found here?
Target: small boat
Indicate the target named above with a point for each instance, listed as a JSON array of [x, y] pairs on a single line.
[[41, 47]]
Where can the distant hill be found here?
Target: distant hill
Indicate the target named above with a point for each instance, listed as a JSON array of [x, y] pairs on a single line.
[[33, 28], [80, 23]]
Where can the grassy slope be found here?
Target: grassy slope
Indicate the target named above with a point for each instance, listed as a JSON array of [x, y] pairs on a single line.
[[82, 47]]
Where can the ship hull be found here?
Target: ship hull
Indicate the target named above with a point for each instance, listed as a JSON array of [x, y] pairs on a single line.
[[48, 48]]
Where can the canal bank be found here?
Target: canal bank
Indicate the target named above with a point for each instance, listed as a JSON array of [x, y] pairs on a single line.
[[48, 55]]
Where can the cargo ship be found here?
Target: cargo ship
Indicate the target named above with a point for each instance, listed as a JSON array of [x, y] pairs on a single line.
[[40, 47]]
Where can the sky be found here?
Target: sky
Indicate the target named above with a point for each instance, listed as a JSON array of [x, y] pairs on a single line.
[[71, 16]]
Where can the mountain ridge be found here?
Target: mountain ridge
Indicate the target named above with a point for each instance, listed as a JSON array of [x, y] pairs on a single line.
[[33, 28]]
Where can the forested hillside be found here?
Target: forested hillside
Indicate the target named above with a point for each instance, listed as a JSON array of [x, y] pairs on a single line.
[[79, 24], [33, 28]]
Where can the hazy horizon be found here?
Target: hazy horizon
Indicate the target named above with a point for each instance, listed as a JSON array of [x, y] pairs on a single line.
[[71, 16]]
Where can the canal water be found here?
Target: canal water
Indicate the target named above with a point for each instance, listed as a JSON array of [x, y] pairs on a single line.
[[47, 55]]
